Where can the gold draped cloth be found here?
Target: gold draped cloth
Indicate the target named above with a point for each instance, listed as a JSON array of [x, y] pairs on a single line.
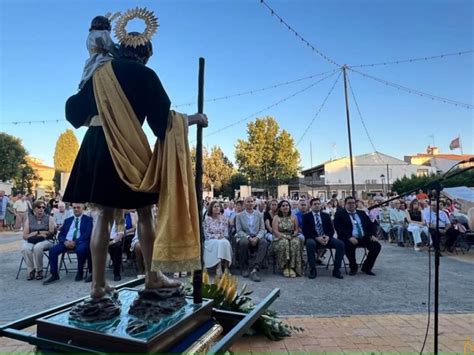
[[167, 170]]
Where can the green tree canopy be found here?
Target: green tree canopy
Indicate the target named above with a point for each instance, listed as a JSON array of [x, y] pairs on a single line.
[[236, 180], [269, 155], [12, 155], [65, 152], [25, 179], [217, 168], [409, 183]]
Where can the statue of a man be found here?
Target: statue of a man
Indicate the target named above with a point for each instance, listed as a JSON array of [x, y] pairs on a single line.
[[94, 178]]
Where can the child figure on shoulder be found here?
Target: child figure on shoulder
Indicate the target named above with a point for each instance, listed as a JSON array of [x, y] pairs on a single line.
[[100, 45]]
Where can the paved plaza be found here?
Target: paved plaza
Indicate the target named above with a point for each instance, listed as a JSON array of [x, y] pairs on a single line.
[[382, 313]]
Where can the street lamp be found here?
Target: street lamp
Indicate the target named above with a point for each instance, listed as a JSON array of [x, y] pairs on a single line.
[[383, 180]]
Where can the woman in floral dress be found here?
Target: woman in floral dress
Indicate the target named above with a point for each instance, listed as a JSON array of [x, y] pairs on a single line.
[[287, 245], [217, 248]]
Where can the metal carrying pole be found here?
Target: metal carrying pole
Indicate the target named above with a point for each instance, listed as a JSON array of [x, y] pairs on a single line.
[[197, 275]]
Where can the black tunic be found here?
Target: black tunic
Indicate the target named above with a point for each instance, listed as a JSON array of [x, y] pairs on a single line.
[[94, 178]]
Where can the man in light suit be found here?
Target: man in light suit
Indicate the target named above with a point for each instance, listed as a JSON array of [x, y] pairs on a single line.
[[250, 237], [75, 235]]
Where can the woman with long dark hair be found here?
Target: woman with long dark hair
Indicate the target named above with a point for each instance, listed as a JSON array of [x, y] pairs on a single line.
[[287, 245], [416, 223]]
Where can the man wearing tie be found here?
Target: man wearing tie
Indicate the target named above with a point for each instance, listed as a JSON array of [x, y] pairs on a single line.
[[318, 232], [355, 229], [75, 235]]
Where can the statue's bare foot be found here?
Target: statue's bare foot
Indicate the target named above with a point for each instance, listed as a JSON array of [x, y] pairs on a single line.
[[101, 291], [159, 280], [104, 304]]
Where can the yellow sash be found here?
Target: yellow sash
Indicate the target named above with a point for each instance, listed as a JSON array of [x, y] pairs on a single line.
[[167, 171]]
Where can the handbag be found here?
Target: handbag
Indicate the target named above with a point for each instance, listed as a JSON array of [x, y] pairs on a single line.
[[35, 239]]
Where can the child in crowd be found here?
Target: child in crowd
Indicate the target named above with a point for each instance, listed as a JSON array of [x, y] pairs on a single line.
[[100, 46]]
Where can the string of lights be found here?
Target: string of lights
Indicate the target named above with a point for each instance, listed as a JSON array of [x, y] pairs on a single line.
[[414, 91], [282, 21], [412, 60], [363, 122], [251, 92], [32, 122], [270, 106], [330, 73], [320, 109]]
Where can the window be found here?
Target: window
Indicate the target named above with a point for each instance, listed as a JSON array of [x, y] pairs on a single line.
[[421, 172]]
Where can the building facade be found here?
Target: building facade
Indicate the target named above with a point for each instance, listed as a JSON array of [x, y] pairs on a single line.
[[45, 184], [433, 158], [373, 172]]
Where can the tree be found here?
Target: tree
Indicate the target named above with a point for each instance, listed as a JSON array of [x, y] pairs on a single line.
[[25, 179], [65, 152], [236, 180], [409, 183], [12, 156], [217, 168], [57, 181], [269, 156]]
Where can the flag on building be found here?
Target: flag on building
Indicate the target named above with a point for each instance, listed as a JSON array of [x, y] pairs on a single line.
[[454, 144]]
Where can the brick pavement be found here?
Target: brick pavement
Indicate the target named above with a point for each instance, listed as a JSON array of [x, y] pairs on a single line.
[[398, 288], [353, 334]]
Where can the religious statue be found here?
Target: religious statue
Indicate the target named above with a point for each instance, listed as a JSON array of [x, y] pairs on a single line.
[[115, 168]]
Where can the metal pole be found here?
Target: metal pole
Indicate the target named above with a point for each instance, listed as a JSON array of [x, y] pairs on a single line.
[[197, 275], [436, 244], [312, 174], [388, 181], [344, 70]]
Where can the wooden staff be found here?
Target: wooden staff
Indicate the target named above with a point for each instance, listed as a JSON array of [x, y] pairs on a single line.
[[197, 276]]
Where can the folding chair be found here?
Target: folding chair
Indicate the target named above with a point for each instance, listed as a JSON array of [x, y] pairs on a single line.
[[331, 258], [62, 263], [468, 238], [409, 240], [23, 260], [361, 260]]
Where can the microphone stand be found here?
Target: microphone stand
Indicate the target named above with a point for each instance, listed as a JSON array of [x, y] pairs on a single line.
[[437, 186]]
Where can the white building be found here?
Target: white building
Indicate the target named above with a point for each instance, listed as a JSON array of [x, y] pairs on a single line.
[[373, 172], [442, 162]]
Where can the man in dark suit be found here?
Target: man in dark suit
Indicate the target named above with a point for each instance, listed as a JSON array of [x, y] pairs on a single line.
[[355, 229], [318, 233], [75, 235]]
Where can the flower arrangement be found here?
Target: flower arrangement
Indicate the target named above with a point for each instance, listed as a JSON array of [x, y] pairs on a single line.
[[225, 295]]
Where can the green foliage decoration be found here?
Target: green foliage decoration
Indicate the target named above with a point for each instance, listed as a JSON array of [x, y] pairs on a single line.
[[226, 297]]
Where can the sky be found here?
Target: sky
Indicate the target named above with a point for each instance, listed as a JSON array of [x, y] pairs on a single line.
[[42, 54]]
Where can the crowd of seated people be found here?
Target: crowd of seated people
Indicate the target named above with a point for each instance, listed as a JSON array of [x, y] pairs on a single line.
[[285, 229], [55, 228], [254, 226], [296, 234]]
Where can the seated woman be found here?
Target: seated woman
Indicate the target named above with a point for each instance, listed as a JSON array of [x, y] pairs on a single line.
[[384, 222], [268, 219], [217, 248], [416, 224], [287, 245], [38, 233]]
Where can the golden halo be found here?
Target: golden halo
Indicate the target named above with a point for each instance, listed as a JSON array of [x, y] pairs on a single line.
[[151, 23]]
